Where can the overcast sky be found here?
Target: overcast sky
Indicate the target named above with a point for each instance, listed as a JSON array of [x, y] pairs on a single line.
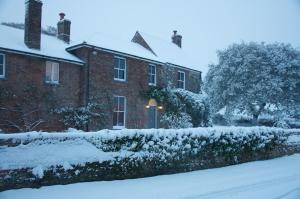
[[206, 25]]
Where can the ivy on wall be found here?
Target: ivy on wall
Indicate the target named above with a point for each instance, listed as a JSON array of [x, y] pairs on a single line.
[[188, 109]]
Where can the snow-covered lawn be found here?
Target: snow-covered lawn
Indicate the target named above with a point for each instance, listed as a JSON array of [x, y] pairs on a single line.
[[276, 179]]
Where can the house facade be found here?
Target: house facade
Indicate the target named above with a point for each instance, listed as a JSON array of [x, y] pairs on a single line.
[[40, 73]]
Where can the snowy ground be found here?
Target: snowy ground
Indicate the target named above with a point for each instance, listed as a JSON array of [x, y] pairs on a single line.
[[275, 179]]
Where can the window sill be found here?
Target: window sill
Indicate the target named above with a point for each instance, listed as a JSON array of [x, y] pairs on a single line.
[[118, 127], [52, 83], [120, 80], [151, 84]]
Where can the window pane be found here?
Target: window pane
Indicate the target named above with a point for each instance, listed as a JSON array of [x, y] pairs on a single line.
[[1, 59], [55, 69], [121, 119], [121, 103], [116, 62], [154, 70], [115, 107], [153, 79], [180, 84], [115, 119], [122, 63], [116, 73], [48, 71], [121, 74], [1, 70]]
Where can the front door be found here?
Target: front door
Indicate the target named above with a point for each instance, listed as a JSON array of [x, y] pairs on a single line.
[[152, 117]]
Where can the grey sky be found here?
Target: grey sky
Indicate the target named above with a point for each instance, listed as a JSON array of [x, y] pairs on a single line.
[[206, 25]]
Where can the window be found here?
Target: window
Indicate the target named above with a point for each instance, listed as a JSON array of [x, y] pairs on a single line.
[[2, 65], [119, 69], [152, 74], [119, 112], [181, 79], [52, 72]]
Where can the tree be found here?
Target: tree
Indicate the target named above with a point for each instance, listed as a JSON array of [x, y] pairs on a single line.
[[250, 75]]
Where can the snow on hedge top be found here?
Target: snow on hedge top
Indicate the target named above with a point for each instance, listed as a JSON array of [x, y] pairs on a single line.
[[113, 134], [13, 39]]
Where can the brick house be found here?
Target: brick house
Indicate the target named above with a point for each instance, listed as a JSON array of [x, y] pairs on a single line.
[[39, 72]]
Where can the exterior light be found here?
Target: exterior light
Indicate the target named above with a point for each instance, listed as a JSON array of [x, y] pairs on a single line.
[[160, 107], [147, 106]]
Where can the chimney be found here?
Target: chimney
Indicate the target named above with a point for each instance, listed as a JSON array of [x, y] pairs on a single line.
[[63, 28], [33, 18], [176, 39]]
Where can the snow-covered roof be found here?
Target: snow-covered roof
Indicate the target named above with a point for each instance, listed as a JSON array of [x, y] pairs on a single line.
[[12, 39], [164, 52], [169, 52]]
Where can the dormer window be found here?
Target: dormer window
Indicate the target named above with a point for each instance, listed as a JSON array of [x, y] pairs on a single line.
[[2, 65], [52, 72], [181, 79], [119, 69]]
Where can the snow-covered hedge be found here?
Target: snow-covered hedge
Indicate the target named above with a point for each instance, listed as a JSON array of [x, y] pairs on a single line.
[[133, 153]]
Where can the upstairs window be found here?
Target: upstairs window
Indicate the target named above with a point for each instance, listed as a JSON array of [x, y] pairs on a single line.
[[119, 112], [152, 74], [181, 79], [119, 69], [2, 65], [52, 72]]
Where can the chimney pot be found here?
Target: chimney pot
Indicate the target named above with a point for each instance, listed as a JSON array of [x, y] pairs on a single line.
[[63, 28], [62, 15], [177, 39]]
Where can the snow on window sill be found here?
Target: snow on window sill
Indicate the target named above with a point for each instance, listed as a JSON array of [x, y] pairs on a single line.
[[120, 80], [50, 82], [118, 127], [152, 84]]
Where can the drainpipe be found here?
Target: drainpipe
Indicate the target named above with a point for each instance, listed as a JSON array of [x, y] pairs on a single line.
[[87, 85]]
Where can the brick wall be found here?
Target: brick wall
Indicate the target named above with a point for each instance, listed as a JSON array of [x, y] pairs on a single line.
[[27, 91], [104, 87]]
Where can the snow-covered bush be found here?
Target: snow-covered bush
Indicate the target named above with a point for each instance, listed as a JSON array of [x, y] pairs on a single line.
[[176, 121], [80, 116]]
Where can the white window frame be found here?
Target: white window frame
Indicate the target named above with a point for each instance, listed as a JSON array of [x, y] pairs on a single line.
[[3, 75], [178, 80], [52, 74], [125, 110], [155, 74], [125, 69]]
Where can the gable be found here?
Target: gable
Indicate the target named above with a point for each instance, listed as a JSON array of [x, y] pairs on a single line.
[[137, 38]]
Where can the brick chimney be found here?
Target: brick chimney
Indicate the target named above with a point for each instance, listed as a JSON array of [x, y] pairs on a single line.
[[63, 28], [33, 18], [176, 39]]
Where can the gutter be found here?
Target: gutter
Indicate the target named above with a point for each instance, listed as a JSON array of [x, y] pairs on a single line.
[[84, 44], [41, 56]]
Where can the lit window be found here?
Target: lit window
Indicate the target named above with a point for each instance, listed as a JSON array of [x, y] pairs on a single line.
[[52, 72], [119, 112], [2, 65], [181, 79], [120, 68], [152, 74]]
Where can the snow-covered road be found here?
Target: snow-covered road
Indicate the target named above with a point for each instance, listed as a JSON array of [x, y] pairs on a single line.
[[275, 179]]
